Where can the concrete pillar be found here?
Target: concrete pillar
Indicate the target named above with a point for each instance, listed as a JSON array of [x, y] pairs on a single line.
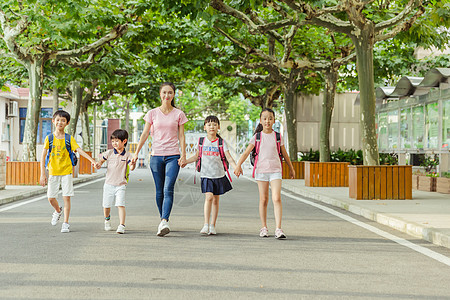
[[402, 159], [444, 163]]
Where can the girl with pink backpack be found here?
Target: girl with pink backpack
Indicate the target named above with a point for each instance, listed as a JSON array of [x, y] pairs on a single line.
[[267, 150], [212, 159]]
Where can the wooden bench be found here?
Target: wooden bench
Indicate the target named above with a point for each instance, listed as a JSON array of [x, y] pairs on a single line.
[[380, 182], [299, 168], [323, 174], [23, 173]]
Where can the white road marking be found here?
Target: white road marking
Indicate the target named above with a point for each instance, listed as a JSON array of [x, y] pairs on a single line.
[[45, 196]]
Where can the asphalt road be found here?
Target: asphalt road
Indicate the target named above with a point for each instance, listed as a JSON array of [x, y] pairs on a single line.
[[324, 256]]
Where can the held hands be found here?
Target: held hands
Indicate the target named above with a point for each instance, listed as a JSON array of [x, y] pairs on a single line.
[[134, 159], [182, 161], [238, 171]]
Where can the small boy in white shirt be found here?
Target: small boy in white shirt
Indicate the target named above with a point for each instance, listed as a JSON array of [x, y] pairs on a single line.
[[119, 165]]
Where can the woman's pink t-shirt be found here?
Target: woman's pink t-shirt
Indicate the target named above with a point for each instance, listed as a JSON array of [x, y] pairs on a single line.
[[165, 130], [268, 159]]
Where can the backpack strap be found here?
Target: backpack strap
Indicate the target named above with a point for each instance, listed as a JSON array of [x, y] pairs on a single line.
[[50, 147], [69, 147], [257, 145], [223, 158], [280, 155]]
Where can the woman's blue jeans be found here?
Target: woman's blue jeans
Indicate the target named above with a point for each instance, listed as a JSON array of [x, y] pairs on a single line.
[[165, 172]]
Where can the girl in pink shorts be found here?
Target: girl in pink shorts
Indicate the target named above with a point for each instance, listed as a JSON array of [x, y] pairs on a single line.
[[268, 168]]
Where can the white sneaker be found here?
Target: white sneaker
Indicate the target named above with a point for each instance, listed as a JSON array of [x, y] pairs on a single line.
[[121, 229], [108, 225], [205, 229], [163, 228], [56, 216], [65, 228], [212, 229]]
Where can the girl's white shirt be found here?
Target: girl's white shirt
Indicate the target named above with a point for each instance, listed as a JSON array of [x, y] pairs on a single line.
[[212, 166]]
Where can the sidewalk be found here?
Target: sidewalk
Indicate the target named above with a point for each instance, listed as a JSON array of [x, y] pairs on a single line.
[[18, 192], [426, 216]]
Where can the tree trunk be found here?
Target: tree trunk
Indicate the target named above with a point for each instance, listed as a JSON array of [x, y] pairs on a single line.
[[364, 42], [85, 132], [127, 117], [291, 121], [77, 100], [331, 77], [55, 103], [35, 77]]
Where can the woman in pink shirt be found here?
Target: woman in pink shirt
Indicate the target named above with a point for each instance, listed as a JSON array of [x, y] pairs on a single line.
[[167, 123]]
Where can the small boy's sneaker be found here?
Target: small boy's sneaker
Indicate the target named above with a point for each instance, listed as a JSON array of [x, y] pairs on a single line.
[[121, 229], [108, 225], [263, 232], [212, 229], [55, 216], [205, 229], [65, 228], [279, 234], [163, 228]]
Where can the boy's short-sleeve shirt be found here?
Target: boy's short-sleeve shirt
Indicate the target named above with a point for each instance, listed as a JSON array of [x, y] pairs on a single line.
[[118, 169], [212, 166], [165, 130], [60, 163], [268, 160]]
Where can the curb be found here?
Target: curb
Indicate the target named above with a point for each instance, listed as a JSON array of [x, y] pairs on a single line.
[[41, 190], [429, 234]]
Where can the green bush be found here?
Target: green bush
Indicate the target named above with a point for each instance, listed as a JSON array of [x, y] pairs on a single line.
[[390, 159], [352, 156]]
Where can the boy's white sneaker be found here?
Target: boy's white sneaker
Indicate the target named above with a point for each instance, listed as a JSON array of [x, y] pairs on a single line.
[[121, 229], [163, 228], [65, 228], [205, 229], [55, 216], [108, 225], [212, 229]]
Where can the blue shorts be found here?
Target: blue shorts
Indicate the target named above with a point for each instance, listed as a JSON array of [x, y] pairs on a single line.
[[217, 186]]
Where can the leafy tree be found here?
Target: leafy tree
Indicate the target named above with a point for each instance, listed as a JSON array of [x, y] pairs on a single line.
[[36, 32]]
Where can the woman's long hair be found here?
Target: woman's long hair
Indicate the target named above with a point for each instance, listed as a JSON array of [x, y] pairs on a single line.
[[173, 88], [212, 119], [259, 128]]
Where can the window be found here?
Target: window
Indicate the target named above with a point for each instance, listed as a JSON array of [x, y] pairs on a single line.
[[44, 125]]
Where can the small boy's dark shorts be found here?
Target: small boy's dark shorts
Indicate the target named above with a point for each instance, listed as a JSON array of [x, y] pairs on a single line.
[[217, 186]]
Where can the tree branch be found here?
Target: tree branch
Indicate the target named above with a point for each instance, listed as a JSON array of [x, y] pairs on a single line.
[[404, 26], [116, 32], [247, 48], [412, 4], [10, 35]]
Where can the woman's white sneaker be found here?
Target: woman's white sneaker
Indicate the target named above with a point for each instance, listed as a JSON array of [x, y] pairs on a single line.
[[163, 228]]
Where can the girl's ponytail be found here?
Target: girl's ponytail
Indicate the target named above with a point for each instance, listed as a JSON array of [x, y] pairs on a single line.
[[258, 128]]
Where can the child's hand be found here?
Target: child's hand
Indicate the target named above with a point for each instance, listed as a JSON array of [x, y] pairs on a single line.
[[97, 165], [183, 165], [238, 171], [43, 180], [291, 173]]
